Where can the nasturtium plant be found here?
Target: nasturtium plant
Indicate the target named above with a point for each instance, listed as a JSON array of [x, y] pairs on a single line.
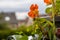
[[49, 9], [41, 26]]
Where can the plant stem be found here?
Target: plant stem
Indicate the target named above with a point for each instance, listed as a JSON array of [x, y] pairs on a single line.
[[53, 11], [53, 14]]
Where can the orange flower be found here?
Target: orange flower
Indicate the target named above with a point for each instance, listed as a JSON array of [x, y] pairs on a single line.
[[36, 11], [32, 7], [33, 11], [48, 2], [32, 14]]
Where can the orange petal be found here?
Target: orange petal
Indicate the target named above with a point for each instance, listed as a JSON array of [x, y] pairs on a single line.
[[47, 1], [32, 7], [36, 6]]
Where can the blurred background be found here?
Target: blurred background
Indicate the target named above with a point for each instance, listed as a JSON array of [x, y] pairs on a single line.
[[14, 13]]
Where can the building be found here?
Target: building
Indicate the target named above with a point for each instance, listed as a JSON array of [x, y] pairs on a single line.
[[11, 19]]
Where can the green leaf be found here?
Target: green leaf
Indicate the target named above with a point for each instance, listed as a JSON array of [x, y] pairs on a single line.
[[45, 24], [40, 36], [48, 10], [50, 23]]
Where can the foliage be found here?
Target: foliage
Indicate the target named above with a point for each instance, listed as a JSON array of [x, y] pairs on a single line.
[[41, 26], [49, 9], [22, 37], [5, 33], [54, 12], [24, 30], [3, 26]]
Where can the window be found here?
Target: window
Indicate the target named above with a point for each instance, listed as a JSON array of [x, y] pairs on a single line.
[[7, 18]]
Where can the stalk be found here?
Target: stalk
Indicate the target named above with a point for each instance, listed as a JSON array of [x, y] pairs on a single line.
[[53, 11], [53, 14]]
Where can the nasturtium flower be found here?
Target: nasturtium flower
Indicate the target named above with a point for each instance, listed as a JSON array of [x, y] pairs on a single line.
[[32, 14], [48, 2], [33, 11], [32, 7]]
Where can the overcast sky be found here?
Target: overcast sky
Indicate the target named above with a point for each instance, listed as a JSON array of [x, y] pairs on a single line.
[[20, 5]]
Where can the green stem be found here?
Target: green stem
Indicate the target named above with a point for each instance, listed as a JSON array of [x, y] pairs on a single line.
[[53, 14]]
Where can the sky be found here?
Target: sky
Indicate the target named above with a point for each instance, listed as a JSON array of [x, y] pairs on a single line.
[[20, 5]]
